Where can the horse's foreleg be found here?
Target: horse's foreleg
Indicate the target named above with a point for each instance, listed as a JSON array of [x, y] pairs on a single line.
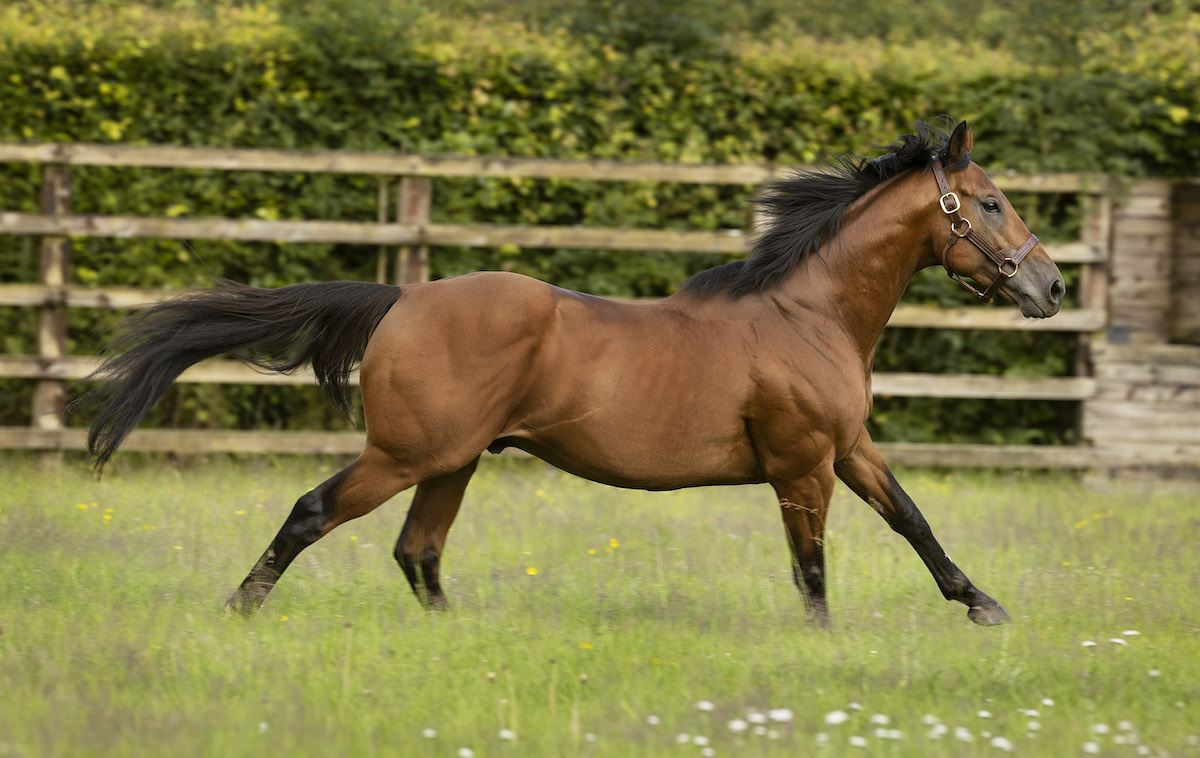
[[354, 491], [804, 503], [868, 476], [419, 547]]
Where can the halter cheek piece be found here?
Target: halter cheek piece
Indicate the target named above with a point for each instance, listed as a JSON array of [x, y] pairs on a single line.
[[1007, 261]]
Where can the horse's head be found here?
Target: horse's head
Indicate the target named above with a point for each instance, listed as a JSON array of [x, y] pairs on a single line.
[[980, 236]]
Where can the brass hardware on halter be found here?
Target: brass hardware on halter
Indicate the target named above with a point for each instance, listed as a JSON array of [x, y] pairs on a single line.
[[952, 196]]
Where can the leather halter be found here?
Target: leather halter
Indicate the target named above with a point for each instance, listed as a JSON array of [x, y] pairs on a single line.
[[1002, 258]]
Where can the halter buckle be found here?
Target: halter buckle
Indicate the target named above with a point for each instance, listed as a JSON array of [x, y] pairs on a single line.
[[1016, 266], [954, 227], [949, 196]]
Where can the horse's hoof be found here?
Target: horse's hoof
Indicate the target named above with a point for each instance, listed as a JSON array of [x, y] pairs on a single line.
[[435, 603], [988, 615]]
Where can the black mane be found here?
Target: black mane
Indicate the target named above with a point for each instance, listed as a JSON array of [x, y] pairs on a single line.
[[805, 210]]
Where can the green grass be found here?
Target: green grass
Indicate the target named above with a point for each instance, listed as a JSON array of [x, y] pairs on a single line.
[[113, 642]]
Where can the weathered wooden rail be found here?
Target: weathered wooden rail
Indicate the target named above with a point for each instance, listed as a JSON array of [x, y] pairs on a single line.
[[406, 225]]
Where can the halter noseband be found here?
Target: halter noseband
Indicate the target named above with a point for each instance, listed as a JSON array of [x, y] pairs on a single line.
[[1002, 258]]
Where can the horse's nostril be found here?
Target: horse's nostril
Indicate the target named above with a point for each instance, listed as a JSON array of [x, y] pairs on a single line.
[[1057, 290]]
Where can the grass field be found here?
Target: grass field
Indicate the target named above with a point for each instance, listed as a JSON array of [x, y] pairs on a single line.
[[589, 621]]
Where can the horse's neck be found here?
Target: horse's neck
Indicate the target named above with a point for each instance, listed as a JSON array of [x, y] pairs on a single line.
[[858, 278]]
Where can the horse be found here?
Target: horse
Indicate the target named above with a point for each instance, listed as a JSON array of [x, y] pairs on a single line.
[[755, 371]]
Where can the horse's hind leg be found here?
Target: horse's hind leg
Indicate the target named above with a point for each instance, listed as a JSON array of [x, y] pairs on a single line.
[[354, 491], [419, 547]]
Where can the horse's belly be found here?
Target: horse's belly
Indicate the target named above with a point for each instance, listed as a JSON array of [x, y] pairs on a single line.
[[673, 462]]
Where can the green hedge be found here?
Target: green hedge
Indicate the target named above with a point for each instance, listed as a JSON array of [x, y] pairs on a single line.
[[374, 75]]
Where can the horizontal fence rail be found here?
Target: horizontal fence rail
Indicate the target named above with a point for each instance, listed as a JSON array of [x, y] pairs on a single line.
[[916, 316], [412, 232], [199, 441], [383, 164], [885, 384], [465, 235]]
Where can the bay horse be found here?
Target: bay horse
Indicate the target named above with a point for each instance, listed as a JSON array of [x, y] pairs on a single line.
[[755, 371]]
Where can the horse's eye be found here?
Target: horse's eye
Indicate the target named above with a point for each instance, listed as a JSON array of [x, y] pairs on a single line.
[[991, 205]]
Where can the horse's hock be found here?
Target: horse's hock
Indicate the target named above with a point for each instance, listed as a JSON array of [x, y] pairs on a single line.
[[1144, 419]]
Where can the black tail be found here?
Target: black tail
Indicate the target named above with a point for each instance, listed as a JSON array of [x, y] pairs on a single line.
[[325, 324]]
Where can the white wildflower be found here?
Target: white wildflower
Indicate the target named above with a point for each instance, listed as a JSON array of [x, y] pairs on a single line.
[[962, 734], [1100, 729], [708, 752], [857, 741], [880, 719], [465, 752], [1117, 641], [683, 738], [1131, 632], [1033, 726], [1091, 748], [705, 705], [984, 714], [938, 731], [1047, 701], [738, 725], [930, 720], [506, 734], [428, 733], [754, 717], [780, 714], [1088, 643], [1001, 743], [836, 717], [700, 740], [653, 720]]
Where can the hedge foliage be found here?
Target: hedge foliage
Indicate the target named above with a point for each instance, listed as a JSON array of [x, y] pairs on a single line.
[[389, 76]]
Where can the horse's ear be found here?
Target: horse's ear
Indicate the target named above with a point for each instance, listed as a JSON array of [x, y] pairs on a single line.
[[961, 142]]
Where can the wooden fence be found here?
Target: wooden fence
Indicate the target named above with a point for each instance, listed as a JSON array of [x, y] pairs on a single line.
[[403, 222]]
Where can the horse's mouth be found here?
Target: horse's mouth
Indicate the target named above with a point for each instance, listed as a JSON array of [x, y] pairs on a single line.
[[1033, 309]]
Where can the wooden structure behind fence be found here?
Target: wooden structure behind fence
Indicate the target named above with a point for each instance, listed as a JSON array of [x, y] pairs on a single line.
[[1125, 298]]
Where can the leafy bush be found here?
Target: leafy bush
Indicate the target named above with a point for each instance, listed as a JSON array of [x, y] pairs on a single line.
[[624, 82]]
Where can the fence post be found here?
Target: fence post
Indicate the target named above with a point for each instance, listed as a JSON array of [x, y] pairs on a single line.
[[414, 200], [1093, 288], [53, 272], [385, 188], [1093, 277]]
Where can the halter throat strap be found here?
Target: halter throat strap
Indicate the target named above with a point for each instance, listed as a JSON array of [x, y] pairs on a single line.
[[1007, 261]]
